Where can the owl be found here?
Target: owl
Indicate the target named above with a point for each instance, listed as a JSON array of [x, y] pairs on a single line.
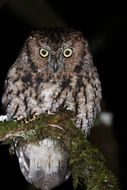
[[54, 70]]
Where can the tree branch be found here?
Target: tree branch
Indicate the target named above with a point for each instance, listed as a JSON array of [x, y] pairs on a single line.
[[86, 163]]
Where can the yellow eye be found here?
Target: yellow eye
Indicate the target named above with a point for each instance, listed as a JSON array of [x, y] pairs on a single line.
[[44, 52], [67, 52]]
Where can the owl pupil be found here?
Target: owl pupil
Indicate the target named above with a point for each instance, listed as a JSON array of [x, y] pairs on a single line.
[[44, 52], [67, 52]]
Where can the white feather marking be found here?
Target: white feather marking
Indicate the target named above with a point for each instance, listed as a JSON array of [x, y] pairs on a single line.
[[3, 118]]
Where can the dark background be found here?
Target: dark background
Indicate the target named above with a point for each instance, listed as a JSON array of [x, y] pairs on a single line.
[[104, 25]]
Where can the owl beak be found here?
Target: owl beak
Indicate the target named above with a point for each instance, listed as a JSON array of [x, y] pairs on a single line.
[[55, 67]]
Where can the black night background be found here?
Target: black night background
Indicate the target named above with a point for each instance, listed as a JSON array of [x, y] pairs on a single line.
[[104, 25]]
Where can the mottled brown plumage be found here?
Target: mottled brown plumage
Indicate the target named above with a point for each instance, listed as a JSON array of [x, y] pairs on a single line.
[[54, 69]]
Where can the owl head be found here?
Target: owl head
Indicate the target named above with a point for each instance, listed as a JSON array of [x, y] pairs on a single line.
[[57, 53]]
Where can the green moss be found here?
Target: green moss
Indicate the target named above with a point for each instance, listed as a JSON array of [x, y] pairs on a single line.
[[87, 164]]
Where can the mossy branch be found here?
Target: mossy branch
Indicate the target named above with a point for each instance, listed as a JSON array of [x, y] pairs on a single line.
[[86, 163]]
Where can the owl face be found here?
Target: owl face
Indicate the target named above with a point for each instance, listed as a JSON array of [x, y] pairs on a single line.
[[56, 54]]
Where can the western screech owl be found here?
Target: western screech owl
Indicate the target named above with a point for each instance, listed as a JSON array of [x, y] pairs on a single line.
[[54, 69]]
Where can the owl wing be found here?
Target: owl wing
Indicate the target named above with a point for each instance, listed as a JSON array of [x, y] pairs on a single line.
[[88, 95]]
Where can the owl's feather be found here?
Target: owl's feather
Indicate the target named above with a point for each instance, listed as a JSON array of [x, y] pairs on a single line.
[[43, 164], [54, 69], [32, 87]]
